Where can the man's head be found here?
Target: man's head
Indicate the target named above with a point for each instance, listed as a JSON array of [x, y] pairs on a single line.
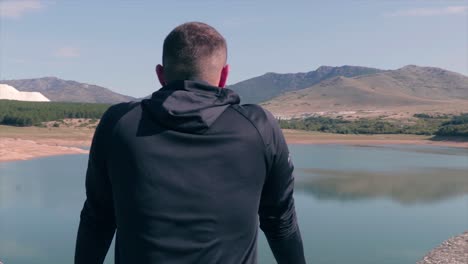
[[194, 51]]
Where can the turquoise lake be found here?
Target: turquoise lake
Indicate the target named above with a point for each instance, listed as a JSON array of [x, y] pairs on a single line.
[[356, 204]]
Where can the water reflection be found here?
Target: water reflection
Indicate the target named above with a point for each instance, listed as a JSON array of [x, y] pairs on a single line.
[[40, 202], [406, 187], [52, 182], [440, 150]]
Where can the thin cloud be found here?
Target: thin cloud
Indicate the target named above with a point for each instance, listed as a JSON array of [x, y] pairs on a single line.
[[17, 8], [67, 52], [425, 12]]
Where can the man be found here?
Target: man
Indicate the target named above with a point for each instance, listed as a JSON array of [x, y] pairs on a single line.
[[184, 176]]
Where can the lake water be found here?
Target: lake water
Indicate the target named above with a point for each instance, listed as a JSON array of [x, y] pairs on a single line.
[[355, 204]]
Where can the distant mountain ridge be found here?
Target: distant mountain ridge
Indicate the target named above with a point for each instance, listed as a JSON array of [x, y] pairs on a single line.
[[409, 89], [68, 91], [341, 90], [270, 85]]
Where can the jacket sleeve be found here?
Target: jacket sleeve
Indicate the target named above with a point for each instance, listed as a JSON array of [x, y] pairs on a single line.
[[97, 222], [277, 212]]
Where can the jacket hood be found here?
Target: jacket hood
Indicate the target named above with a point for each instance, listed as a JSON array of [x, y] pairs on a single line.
[[189, 106]]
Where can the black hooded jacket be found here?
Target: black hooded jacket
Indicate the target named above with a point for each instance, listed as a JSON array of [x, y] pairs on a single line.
[[186, 177]]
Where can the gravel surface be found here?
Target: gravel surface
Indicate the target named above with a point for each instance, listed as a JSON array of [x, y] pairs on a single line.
[[452, 251]]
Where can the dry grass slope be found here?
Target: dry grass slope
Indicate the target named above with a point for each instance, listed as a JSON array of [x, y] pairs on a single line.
[[395, 94]]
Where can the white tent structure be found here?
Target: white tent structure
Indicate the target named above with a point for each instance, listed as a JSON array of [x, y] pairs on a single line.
[[10, 93]]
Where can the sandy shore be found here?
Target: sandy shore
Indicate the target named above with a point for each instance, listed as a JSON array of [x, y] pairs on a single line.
[[20, 149], [22, 143], [304, 137]]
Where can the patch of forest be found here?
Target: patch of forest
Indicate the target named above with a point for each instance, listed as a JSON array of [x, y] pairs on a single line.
[[422, 124], [21, 113]]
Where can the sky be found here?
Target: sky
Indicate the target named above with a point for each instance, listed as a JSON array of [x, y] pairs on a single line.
[[118, 43]]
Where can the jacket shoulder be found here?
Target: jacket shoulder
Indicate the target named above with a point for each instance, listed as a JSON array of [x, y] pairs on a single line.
[[261, 119], [112, 116]]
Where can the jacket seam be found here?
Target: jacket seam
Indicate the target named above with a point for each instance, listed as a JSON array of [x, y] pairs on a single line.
[[255, 126]]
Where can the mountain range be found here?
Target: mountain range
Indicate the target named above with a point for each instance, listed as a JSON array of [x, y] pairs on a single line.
[[270, 85], [395, 93], [333, 91], [68, 91]]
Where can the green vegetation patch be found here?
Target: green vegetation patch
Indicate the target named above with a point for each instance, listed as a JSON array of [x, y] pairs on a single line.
[[423, 125], [20, 113], [457, 126]]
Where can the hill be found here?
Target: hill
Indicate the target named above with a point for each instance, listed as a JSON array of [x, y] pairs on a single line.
[[59, 90], [395, 93], [270, 85]]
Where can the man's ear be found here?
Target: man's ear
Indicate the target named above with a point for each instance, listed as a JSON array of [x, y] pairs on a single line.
[[224, 76], [160, 74]]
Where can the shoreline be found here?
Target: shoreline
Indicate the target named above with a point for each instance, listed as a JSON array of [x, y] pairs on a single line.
[[15, 149], [315, 138], [453, 251], [33, 142], [25, 143]]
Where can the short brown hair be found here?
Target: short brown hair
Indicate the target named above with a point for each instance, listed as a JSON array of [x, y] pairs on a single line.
[[193, 50]]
